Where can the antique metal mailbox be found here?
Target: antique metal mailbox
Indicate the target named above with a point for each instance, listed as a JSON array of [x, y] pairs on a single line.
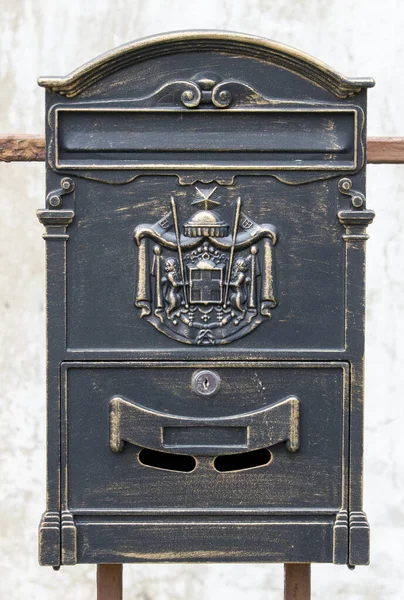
[[205, 234]]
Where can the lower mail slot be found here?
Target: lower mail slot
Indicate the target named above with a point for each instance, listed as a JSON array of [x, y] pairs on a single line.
[[273, 437]]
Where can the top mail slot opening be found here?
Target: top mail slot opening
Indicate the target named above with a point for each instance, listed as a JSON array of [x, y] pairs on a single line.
[[266, 139]]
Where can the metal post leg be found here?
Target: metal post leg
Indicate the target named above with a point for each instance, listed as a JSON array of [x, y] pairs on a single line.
[[109, 582], [297, 581]]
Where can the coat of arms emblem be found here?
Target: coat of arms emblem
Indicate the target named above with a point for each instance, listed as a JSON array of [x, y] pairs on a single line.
[[208, 282]]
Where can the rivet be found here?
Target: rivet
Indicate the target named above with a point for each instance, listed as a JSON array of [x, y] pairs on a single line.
[[66, 184], [357, 201], [55, 201]]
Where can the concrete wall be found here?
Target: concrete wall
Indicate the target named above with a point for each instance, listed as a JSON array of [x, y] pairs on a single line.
[[50, 37]]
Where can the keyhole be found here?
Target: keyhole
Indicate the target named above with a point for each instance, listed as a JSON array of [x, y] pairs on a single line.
[[205, 383]]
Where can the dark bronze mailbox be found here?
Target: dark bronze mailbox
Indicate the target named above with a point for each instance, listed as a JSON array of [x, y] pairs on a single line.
[[205, 232]]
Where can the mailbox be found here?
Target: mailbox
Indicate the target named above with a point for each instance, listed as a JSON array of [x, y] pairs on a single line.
[[205, 236]]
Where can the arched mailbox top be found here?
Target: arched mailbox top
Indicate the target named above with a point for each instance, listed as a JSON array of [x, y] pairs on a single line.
[[228, 42]]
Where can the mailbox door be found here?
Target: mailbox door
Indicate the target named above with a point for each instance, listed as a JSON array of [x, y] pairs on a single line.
[[175, 451]]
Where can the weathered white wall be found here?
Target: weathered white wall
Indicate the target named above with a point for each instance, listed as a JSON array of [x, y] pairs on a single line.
[[52, 37]]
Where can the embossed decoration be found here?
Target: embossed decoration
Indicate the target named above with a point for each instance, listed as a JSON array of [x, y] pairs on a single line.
[[207, 281]]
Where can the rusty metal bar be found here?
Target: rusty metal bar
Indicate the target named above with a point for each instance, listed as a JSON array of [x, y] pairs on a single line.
[[297, 584], [26, 147], [23, 147], [109, 582], [385, 150]]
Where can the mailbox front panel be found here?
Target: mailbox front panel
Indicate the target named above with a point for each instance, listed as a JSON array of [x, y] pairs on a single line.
[[205, 229], [306, 269]]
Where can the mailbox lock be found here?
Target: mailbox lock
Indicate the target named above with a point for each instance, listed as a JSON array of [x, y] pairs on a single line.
[[205, 383]]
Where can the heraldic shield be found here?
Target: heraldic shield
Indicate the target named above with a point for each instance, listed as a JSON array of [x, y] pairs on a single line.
[[206, 282]]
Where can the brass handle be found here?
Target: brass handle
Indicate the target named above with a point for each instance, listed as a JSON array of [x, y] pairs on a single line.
[[130, 422]]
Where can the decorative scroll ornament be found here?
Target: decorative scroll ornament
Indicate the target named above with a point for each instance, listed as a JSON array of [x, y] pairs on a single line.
[[205, 282], [207, 88]]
